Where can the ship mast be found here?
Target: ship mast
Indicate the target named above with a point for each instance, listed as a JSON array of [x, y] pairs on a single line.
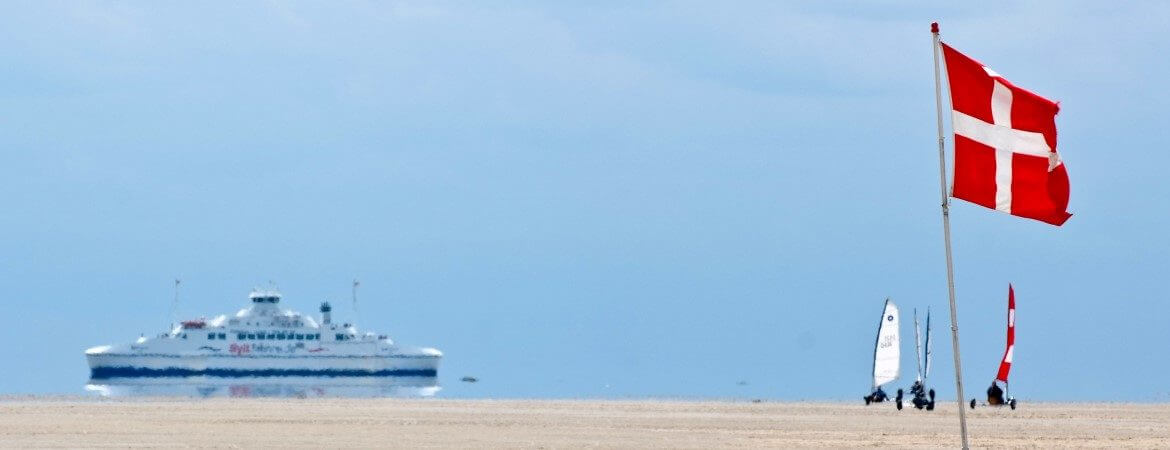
[[355, 308], [175, 305]]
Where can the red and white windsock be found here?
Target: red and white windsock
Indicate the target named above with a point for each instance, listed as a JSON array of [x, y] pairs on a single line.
[[1005, 144], [1006, 364]]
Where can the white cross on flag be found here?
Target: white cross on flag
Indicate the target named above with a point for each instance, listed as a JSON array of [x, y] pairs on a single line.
[[1005, 144]]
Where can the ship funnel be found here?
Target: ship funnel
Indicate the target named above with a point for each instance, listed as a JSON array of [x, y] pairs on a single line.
[[325, 313]]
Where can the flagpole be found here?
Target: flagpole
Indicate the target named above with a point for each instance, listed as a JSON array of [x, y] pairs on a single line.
[[946, 218]]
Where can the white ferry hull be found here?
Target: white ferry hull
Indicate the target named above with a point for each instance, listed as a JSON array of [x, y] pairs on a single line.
[[113, 365], [287, 387]]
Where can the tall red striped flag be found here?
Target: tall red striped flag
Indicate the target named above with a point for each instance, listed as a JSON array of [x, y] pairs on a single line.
[[1006, 365]]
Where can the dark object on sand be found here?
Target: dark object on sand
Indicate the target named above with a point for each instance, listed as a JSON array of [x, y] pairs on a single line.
[[922, 398], [1011, 403], [877, 396], [995, 397]]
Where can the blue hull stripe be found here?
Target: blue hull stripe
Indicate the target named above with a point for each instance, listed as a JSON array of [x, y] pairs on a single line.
[[214, 355], [98, 373]]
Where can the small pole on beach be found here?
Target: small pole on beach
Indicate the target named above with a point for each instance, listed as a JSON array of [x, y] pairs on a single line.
[[946, 218]]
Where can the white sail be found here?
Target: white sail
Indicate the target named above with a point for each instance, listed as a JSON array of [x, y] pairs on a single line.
[[926, 368], [917, 345], [886, 353]]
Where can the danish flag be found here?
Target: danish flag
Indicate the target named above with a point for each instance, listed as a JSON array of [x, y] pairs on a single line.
[[1005, 144]]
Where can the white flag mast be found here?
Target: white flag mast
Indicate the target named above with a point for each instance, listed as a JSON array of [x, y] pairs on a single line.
[[946, 218]]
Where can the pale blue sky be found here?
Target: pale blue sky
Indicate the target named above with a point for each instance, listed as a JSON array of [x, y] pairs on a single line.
[[663, 199]]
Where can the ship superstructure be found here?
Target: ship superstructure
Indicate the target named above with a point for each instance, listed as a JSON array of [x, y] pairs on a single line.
[[263, 340]]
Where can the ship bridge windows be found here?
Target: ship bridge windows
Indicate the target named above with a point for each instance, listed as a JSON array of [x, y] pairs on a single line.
[[275, 336]]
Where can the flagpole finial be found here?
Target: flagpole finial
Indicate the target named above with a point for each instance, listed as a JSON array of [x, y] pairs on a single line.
[[934, 27]]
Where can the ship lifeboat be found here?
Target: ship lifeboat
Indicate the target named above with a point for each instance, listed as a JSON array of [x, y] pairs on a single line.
[[194, 324]]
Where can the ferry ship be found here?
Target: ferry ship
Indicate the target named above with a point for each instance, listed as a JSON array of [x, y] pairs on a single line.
[[263, 340]]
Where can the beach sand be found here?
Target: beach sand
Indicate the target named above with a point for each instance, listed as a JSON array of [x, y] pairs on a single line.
[[34, 422]]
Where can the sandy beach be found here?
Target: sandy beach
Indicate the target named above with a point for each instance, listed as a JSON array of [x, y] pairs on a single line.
[[548, 423]]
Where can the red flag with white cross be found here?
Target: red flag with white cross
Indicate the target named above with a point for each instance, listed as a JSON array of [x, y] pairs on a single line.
[[1005, 144]]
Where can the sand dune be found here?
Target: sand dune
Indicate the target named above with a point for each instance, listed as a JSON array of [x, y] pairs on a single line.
[[547, 423]]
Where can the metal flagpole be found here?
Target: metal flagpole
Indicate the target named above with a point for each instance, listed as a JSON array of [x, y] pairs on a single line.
[[946, 217]]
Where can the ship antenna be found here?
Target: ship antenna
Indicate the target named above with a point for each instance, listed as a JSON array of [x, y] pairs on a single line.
[[175, 305], [356, 283]]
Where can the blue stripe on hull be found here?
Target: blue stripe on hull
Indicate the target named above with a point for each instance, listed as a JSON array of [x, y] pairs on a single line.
[[98, 373]]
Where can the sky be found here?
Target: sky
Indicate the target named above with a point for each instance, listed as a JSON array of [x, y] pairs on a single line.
[[580, 199]]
